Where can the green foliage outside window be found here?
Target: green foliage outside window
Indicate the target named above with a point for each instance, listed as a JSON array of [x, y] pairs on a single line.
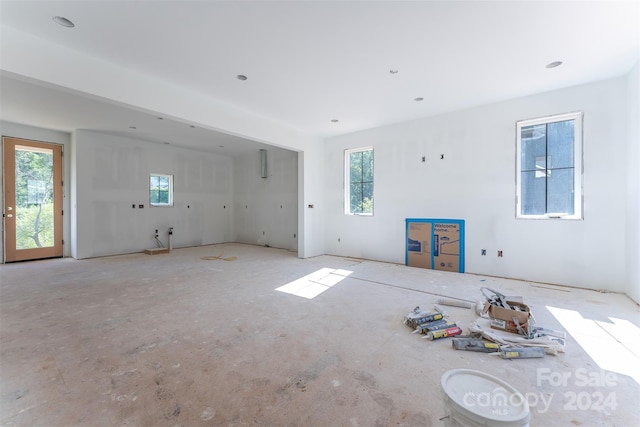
[[34, 199], [160, 190], [361, 182]]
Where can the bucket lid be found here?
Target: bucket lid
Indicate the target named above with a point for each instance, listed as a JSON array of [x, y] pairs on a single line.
[[485, 399]]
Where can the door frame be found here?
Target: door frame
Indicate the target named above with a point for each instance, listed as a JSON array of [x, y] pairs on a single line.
[[10, 252]]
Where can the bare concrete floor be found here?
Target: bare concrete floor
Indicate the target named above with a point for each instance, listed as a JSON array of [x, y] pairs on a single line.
[[175, 340]]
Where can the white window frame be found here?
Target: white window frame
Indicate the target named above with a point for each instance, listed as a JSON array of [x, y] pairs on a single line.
[[577, 163], [347, 181], [170, 179]]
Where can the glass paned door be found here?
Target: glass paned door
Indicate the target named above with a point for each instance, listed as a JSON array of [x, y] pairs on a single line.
[[33, 199]]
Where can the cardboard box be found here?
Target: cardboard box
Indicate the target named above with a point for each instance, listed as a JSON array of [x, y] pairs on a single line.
[[419, 244], [502, 318], [436, 244]]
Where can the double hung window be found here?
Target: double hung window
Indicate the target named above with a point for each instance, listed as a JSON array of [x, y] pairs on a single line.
[[160, 190]]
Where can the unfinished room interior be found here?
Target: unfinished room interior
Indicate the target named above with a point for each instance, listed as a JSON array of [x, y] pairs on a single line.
[[320, 213]]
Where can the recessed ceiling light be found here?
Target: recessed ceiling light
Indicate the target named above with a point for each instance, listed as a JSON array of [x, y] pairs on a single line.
[[393, 71], [334, 120], [418, 99], [241, 77], [554, 64], [61, 20]]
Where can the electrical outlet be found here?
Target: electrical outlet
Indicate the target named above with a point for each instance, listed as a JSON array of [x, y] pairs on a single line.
[[140, 206], [133, 206], [483, 252], [499, 254]]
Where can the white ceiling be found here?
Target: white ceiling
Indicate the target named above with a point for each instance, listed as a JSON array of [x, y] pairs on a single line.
[[60, 109], [309, 62]]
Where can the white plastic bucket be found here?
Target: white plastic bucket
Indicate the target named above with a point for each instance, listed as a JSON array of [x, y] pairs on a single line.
[[475, 399]]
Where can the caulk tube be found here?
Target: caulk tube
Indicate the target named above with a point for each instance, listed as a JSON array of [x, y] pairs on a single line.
[[521, 352], [438, 326], [418, 318], [474, 344], [429, 318], [435, 325], [444, 333]]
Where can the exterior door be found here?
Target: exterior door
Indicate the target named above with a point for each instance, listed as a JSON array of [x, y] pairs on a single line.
[[32, 199]]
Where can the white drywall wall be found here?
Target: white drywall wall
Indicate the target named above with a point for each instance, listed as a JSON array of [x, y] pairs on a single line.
[[311, 210], [44, 135], [112, 174], [633, 185], [73, 197], [266, 209], [476, 182]]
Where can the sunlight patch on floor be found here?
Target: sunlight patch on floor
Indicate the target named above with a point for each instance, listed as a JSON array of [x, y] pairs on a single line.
[[312, 285], [614, 345]]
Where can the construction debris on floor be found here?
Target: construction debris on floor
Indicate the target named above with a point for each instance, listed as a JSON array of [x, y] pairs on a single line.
[[505, 326]]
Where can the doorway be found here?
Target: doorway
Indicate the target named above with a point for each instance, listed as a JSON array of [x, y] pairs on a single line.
[[32, 177]]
